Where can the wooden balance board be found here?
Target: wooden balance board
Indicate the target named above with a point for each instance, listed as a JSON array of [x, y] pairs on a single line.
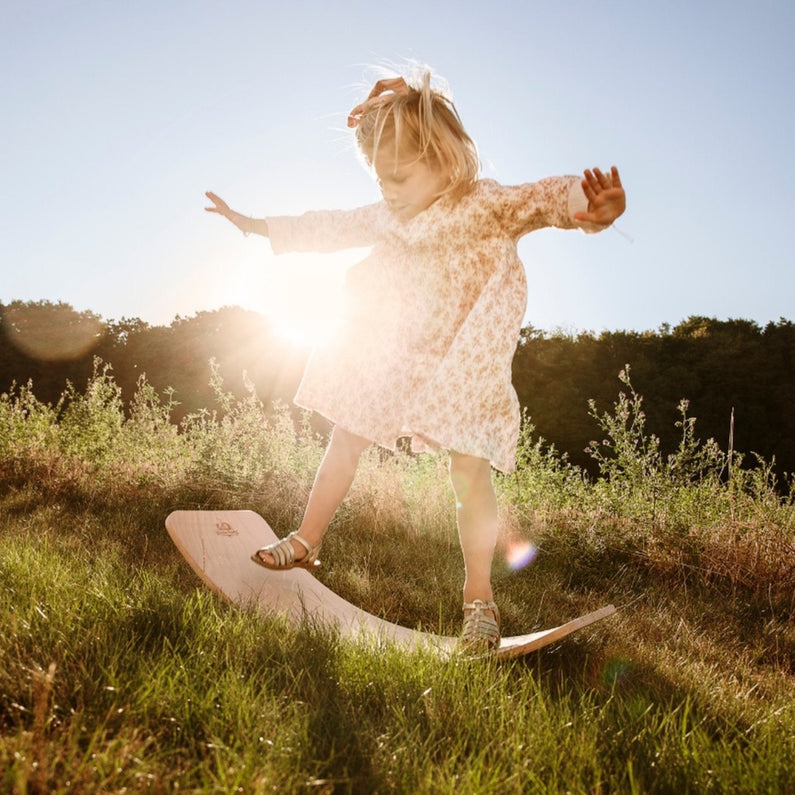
[[218, 545]]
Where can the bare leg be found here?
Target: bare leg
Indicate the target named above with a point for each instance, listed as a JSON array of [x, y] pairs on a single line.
[[332, 483], [476, 512]]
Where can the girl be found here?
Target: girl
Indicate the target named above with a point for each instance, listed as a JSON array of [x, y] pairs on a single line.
[[432, 317]]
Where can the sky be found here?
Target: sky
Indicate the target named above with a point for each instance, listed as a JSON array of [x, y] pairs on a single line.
[[117, 117]]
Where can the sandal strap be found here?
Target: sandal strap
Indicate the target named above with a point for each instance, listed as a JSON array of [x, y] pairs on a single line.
[[480, 629], [480, 605], [283, 552], [304, 543]]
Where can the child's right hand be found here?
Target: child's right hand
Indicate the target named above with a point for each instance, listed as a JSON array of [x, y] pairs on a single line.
[[220, 206]]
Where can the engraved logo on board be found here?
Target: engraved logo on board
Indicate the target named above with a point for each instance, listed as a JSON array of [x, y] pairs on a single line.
[[225, 529]]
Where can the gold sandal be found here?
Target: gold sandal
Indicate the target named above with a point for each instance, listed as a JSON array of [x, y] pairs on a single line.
[[283, 554], [481, 633]]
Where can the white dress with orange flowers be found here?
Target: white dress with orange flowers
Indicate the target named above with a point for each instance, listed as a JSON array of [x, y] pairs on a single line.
[[432, 316]]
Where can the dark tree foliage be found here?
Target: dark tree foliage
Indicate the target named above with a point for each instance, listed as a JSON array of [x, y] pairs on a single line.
[[175, 357], [47, 343], [242, 343], [722, 368]]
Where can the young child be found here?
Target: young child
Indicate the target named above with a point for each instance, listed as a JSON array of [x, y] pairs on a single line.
[[431, 320]]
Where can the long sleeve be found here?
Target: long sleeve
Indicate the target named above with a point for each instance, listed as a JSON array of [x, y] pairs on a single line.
[[324, 231], [552, 201]]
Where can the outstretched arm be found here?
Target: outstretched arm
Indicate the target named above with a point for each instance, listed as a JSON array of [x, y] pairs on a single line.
[[247, 225], [606, 197]]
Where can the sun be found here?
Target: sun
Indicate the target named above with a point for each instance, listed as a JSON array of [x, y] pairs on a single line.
[[300, 294]]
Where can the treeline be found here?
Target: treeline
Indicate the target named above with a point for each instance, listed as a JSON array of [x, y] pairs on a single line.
[[738, 379], [725, 369], [51, 344]]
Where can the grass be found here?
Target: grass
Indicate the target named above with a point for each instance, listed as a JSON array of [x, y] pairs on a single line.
[[119, 672]]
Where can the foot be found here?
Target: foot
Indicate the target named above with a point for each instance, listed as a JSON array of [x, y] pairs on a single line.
[[481, 631], [290, 552]]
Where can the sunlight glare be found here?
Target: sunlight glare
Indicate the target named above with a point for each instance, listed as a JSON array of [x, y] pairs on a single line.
[[301, 294]]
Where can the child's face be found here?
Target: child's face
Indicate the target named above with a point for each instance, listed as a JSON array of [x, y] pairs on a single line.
[[408, 185]]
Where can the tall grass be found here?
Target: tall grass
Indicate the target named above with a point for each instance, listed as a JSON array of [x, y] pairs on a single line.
[[119, 672]]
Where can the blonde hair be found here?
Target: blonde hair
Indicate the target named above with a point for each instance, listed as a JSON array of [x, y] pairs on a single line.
[[423, 121]]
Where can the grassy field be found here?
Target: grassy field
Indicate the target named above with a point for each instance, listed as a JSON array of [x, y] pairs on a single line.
[[119, 672]]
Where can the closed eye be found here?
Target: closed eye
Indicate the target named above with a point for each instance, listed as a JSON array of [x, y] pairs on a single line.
[[392, 179]]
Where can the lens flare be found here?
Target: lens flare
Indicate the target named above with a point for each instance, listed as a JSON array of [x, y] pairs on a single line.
[[520, 554], [51, 332], [616, 671]]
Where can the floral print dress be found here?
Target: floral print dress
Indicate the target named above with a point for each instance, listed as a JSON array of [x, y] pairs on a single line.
[[432, 316]]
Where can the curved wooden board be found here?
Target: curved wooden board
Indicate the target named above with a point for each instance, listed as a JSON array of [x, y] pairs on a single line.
[[218, 545]]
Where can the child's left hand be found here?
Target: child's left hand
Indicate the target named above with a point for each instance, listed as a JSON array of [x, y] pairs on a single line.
[[606, 197]]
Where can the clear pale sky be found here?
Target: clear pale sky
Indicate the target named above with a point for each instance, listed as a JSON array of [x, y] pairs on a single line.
[[116, 117]]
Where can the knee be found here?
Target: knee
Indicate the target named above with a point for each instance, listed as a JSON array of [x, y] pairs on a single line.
[[467, 471]]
